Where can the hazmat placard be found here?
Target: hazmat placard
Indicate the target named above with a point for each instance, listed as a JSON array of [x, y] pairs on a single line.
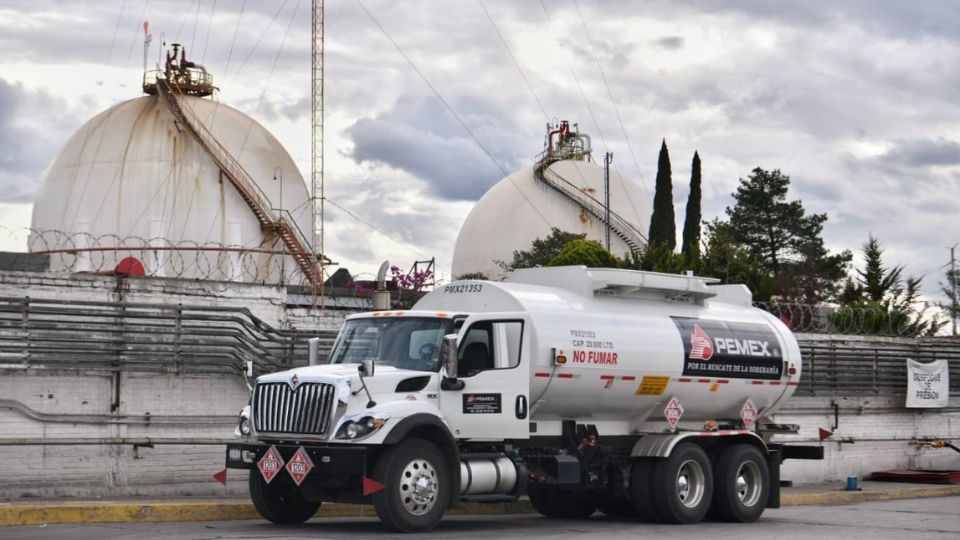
[[928, 384]]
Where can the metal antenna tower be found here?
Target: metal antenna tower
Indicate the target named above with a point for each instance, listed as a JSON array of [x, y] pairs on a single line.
[[316, 185]]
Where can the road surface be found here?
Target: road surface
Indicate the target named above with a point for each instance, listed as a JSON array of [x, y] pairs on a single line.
[[898, 520]]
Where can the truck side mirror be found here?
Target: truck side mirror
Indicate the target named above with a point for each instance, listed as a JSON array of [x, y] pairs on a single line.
[[366, 368], [313, 350], [448, 355], [448, 359]]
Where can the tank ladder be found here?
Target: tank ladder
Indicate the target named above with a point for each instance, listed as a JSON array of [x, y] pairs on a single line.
[[284, 228], [619, 226]]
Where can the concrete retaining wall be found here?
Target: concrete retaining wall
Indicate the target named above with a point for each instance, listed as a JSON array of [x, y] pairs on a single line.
[[871, 434], [86, 407], [78, 409]]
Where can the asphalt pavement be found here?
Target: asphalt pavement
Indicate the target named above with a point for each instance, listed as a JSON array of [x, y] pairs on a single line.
[[205, 510], [872, 520]]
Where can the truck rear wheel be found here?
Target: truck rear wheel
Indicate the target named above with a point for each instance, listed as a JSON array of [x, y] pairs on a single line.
[[740, 485], [641, 489], [682, 485], [417, 486], [554, 502], [279, 502]]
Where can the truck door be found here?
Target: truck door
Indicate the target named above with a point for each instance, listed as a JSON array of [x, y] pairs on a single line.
[[493, 363]]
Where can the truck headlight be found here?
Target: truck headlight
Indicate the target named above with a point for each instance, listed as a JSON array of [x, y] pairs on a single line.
[[357, 427], [243, 425]]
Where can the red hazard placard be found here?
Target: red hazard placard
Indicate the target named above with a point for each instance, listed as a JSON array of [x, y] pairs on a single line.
[[748, 414], [673, 412], [270, 464], [299, 465]]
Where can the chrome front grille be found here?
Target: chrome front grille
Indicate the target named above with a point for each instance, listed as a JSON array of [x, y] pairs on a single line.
[[279, 409]]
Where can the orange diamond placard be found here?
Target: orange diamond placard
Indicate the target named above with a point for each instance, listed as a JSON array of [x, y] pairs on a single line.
[[299, 466], [270, 464]]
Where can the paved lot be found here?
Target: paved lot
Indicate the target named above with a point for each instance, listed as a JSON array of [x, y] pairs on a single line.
[[900, 520]]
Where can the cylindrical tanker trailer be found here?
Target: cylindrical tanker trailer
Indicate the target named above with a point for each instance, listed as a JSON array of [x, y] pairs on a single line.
[[636, 393]]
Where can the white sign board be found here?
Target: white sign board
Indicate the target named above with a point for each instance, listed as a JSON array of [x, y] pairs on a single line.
[[928, 384]]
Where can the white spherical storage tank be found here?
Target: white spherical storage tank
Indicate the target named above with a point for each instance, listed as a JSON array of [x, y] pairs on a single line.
[[134, 177], [522, 207]]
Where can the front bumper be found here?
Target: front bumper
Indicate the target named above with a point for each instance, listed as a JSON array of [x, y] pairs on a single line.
[[337, 475]]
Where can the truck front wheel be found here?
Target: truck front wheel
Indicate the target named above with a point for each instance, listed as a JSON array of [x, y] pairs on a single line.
[[417, 486], [280, 502], [741, 484], [682, 484]]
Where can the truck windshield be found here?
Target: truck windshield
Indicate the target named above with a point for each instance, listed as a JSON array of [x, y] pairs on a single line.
[[402, 342]]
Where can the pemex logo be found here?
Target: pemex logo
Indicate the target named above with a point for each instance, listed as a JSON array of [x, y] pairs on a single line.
[[701, 347]]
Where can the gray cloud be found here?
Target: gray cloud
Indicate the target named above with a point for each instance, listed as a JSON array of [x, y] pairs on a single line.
[[33, 125], [669, 42], [421, 137], [793, 85], [923, 152]]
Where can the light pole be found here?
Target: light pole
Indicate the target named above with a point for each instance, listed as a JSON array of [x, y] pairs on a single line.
[[952, 282], [278, 175], [607, 160]]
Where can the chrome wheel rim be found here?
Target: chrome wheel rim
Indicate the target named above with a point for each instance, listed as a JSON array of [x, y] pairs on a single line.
[[748, 483], [418, 487], [690, 483]]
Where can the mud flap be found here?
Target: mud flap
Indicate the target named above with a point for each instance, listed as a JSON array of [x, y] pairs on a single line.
[[773, 466]]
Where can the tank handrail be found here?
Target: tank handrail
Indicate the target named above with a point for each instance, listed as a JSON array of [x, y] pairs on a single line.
[[241, 174], [300, 248], [625, 230]]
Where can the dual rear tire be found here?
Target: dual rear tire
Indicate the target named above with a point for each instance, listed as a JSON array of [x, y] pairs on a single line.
[[688, 486], [741, 487], [677, 489]]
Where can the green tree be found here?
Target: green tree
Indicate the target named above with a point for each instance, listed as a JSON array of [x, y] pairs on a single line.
[[784, 240], [586, 252], [880, 302], [875, 280], [660, 258], [663, 229], [691, 221], [731, 262], [542, 250]]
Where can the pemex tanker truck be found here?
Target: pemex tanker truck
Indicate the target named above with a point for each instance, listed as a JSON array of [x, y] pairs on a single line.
[[636, 393]]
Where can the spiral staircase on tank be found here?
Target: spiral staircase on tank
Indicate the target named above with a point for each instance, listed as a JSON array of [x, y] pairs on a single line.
[[576, 146], [283, 226]]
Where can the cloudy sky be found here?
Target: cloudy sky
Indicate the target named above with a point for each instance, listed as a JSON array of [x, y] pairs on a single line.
[[857, 101]]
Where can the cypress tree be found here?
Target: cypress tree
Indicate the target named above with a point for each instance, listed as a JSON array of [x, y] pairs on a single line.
[[663, 229], [691, 223]]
